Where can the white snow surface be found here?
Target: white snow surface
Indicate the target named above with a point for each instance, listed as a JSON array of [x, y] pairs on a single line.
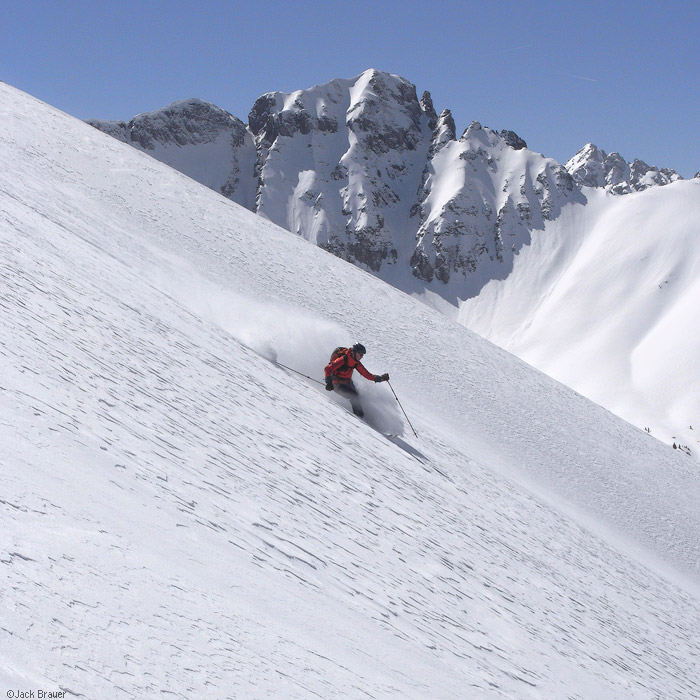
[[182, 517], [605, 300]]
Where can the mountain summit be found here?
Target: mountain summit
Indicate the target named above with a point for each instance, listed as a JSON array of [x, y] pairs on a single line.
[[592, 167], [367, 170], [197, 138]]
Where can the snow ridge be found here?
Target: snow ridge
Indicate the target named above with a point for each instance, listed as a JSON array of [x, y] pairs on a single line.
[[199, 139]]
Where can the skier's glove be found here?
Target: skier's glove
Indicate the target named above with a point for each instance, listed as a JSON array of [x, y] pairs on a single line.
[[382, 378], [329, 383]]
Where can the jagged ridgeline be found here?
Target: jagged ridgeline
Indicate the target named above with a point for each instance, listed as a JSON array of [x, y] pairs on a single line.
[[367, 170], [593, 167]]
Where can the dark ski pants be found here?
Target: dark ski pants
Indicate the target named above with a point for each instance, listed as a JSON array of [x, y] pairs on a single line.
[[348, 391]]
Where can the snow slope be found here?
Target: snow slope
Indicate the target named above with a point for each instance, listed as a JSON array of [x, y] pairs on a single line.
[[597, 292], [605, 300], [182, 517]]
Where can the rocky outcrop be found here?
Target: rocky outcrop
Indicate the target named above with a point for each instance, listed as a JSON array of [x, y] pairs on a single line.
[[200, 140], [340, 163], [481, 198], [592, 167], [370, 172]]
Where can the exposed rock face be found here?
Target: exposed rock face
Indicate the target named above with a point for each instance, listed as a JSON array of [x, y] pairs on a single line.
[[481, 197], [200, 140], [513, 140], [365, 169], [341, 163], [592, 167]]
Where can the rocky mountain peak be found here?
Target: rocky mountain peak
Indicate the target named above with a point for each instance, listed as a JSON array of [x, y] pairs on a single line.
[[385, 112], [426, 104], [197, 138], [474, 130], [513, 140], [372, 173], [181, 123], [444, 131], [593, 167]]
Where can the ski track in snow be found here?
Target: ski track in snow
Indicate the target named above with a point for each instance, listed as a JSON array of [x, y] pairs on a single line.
[[182, 519]]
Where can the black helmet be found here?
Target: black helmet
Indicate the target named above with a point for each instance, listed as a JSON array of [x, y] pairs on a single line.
[[359, 348]]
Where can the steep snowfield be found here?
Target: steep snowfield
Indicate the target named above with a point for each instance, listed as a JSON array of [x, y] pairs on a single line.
[[605, 300], [183, 518], [591, 294]]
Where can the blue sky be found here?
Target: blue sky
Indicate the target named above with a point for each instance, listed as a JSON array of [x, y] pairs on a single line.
[[624, 75]]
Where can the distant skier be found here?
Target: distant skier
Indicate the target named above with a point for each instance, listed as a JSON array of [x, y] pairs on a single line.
[[338, 373]]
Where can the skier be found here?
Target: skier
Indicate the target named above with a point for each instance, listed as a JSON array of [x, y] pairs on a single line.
[[338, 373]]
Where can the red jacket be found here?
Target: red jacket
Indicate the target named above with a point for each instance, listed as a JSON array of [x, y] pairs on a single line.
[[343, 366]]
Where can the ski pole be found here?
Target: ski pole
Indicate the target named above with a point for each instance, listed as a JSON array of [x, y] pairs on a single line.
[[401, 407], [306, 376]]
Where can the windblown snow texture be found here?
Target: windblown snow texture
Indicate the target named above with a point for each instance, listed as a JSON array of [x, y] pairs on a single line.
[[365, 169], [181, 518]]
